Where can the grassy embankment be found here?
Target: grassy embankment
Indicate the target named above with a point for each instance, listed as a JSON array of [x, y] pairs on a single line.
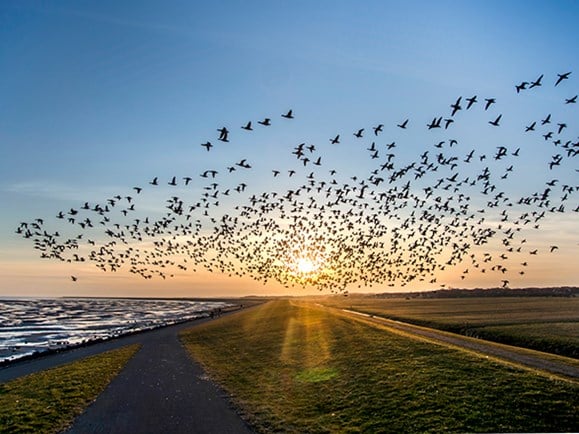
[[548, 324], [48, 401], [295, 367]]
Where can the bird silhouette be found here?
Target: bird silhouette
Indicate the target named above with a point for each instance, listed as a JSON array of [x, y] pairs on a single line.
[[403, 124], [489, 102], [561, 77], [496, 121], [537, 82]]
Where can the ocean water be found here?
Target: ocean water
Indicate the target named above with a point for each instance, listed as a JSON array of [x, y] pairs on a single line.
[[31, 326]]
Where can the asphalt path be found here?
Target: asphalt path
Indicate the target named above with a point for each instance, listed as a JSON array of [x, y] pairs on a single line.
[[160, 390]]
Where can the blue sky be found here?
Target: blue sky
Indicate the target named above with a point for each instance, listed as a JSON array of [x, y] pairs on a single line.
[[98, 97]]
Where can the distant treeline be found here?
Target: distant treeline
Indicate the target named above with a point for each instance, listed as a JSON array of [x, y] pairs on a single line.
[[562, 291]]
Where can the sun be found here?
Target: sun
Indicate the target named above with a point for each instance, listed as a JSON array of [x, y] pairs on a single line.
[[305, 265]]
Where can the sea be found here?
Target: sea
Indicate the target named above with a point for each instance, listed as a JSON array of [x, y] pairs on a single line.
[[32, 326]]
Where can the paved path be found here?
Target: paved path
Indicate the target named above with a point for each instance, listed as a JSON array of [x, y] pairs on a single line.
[[160, 390], [533, 359]]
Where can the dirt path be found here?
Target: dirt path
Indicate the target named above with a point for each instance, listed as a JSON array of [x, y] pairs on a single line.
[[529, 358]]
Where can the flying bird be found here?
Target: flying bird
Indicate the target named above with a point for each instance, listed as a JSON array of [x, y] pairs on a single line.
[[489, 102], [223, 134], [470, 101], [561, 77], [403, 124], [496, 121], [537, 82]]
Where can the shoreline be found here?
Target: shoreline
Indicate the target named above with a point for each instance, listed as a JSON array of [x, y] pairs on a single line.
[[35, 327], [12, 369]]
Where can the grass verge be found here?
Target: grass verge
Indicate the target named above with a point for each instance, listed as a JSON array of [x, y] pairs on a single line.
[[48, 401], [549, 324], [293, 367]]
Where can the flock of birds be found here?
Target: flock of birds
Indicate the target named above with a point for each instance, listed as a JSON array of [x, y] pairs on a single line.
[[401, 222]]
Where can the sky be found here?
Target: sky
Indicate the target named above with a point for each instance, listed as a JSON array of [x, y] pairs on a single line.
[[99, 97]]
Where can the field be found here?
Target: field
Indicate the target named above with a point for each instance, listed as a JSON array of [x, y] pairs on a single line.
[[548, 324], [47, 401], [296, 367]]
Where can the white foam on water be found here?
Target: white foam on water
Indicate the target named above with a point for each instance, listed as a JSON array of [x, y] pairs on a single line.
[[31, 326]]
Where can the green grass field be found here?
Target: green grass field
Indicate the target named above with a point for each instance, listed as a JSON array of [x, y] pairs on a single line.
[[295, 367], [48, 401], [542, 323]]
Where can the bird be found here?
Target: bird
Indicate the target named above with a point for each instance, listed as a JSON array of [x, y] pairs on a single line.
[[496, 121], [403, 124], [561, 126], [335, 140], [247, 126], [521, 86], [74, 278], [378, 129], [359, 133], [288, 115], [571, 100], [154, 181], [561, 77], [456, 106], [266, 122], [207, 145], [470, 101], [537, 82], [243, 164], [547, 120], [489, 102], [223, 134]]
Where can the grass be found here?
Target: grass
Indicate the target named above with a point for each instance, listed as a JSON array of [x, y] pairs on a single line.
[[48, 401], [295, 367], [548, 324]]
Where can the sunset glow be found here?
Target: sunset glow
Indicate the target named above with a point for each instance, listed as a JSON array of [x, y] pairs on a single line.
[[184, 175]]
